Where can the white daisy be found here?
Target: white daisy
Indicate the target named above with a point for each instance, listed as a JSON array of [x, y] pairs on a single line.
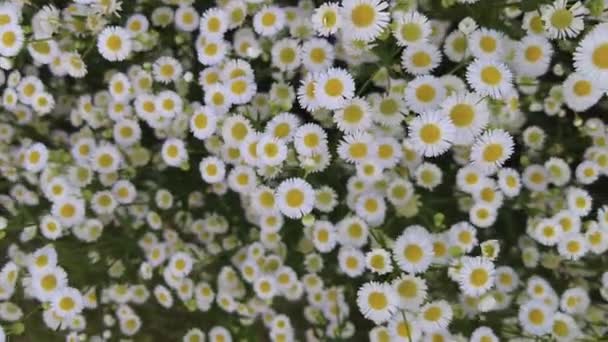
[[295, 198], [489, 78], [114, 43], [431, 133], [364, 19]]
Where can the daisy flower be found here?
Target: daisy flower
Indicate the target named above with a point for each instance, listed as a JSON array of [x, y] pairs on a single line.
[[286, 54], [295, 198], [114, 43], [327, 19], [486, 44], [435, 316], [271, 151], [269, 20], [536, 317], [69, 211], [356, 147], [431, 133], [591, 55], [489, 78], [317, 54], [106, 159], [413, 250], [424, 93], [351, 261], [573, 246], [421, 58], [491, 150], [333, 87], [36, 157], [411, 28], [11, 39], [214, 22], [376, 301], [476, 276], [562, 22], [354, 116], [455, 46], [533, 56], [364, 19], [67, 302], [581, 92]]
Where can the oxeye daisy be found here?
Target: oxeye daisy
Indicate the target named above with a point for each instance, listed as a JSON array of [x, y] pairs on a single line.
[[413, 250], [431, 134], [489, 78], [573, 246], [424, 93], [218, 98], [327, 19], [333, 87], [428, 175], [114, 43], [269, 20], [491, 150], [295, 198], [509, 182], [364, 19], [377, 301], [561, 21], [371, 208], [482, 215], [581, 92]]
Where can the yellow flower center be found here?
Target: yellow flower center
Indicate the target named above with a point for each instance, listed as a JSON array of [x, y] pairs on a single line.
[[363, 15]]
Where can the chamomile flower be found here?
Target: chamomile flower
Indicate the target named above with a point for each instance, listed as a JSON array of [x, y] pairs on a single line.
[[166, 69], [211, 50], [431, 133], [482, 215], [376, 301], [455, 46], [295, 198], [364, 19], [351, 261], [309, 139], [114, 43], [579, 201], [562, 21], [489, 78]]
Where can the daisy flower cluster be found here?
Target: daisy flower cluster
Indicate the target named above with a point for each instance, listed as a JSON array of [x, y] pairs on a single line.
[[258, 170]]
